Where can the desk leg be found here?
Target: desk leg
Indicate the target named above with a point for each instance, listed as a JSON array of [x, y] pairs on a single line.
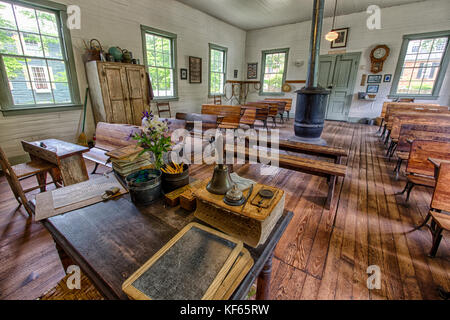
[[331, 187], [264, 278]]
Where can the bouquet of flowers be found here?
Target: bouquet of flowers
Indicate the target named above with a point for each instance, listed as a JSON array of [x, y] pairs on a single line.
[[154, 138]]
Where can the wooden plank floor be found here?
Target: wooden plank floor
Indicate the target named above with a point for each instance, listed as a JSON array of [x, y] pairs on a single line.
[[324, 254]]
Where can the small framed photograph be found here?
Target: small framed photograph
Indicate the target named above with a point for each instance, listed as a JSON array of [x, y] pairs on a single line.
[[252, 71], [236, 72], [184, 74], [374, 78], [195, 70], [387, 78], [341, 41], [373, 88]]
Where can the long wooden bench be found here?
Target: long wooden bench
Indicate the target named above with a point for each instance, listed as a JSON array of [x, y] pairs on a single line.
[[412, 132], [110, 137], [329, 170], [420, 171], [273, 109], [288, 106], [230, 116], [261, 112]]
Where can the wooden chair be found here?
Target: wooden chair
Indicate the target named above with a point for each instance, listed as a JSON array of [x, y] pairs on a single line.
[[217, 100], [17, 173], [163, 107], [439, 204]]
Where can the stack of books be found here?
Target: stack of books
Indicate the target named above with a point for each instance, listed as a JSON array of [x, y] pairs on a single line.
[[126, 161]]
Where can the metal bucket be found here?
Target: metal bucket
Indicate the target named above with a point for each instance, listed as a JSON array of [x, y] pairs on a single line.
[[172, 182], [144, 192]]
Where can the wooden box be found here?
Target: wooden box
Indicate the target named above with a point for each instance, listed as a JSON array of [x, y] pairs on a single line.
[[188, 201]]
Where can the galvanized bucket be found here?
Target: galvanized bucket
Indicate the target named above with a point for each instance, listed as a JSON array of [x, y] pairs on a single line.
[[144, 191]]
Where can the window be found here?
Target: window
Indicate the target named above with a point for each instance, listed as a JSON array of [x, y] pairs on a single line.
[[217, 69], [160, 59], [273, 73], [36, 63], [421, 61]]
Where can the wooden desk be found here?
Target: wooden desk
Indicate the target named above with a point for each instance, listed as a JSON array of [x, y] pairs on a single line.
[[111, 240], [67, 156], [437, 165]]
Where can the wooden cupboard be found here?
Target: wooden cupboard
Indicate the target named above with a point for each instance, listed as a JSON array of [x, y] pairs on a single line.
[[119, 91]]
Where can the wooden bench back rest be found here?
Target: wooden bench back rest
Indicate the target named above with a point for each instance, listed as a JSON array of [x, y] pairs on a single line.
[[421, 150], [262, 110], [416, 107], [110, 136], [411, 132], [230, 114], [12, 179], [249, 116], [387, 103], [208, 121], [418, 118], [273, 107], [288, 102], [441, 196]]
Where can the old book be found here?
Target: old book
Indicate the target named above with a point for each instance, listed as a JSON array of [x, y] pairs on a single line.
[[252, 223], [191, 266], [124, 152]]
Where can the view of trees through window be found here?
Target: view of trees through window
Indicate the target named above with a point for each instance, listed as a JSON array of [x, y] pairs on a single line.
[[421, 67], [274, 72], [32, 53], [160, 64], [217, 71]]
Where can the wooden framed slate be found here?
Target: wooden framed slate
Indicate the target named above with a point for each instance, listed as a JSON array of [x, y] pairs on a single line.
[[191, 266]]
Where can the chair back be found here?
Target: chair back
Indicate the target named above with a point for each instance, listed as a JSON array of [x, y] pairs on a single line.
[[110, 136], [218, 100], [441, 196], [163, 107]]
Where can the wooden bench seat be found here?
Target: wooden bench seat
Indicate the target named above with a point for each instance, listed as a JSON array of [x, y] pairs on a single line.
[[109, 137], [329, 170]]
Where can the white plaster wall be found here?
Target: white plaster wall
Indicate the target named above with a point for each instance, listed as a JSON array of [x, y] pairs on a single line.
[[117, 23], [396, 21]]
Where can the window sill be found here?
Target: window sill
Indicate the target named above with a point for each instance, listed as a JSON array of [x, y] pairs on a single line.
[[417, 97], [281, 94], [165, 99], [39, 110]]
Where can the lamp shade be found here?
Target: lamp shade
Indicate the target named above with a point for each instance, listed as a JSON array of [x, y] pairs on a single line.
[[332, 35]]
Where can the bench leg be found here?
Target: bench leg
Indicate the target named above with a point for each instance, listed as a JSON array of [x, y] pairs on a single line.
[[42, 180], [436, 231], [398, 168], [95, 169], [288, 115], [423, 224], [381, 126], [331, 187]]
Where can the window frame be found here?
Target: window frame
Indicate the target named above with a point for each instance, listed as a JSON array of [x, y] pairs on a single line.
[[225, 67], [401, 60], [173, 38], [7, 106], [263, 71]]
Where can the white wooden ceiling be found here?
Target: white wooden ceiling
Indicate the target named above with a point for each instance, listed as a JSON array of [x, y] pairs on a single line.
[[257, 14]]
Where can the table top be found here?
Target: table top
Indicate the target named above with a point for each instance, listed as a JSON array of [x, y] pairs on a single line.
[[111, 240], [437, 162], [61, 149]]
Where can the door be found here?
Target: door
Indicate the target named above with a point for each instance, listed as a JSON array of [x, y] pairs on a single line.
[[338, 73], [113, 80], [138, 92]]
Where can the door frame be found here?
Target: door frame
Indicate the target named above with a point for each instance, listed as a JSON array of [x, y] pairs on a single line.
[[352, 84]]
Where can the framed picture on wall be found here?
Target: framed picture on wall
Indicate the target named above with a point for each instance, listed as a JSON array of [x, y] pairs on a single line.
[[387, 78], [252, 71], [236, 72], [183, 74], [195, 70], [373, 88], [374, 78], [341, 41]]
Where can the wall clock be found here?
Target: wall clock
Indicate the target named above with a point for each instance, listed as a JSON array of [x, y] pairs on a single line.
[[378, 56]]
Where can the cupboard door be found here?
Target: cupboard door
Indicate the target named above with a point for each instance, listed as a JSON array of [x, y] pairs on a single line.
[[137, 89], [115, 93]]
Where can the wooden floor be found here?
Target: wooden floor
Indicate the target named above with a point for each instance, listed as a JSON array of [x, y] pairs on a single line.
[[323, 254]]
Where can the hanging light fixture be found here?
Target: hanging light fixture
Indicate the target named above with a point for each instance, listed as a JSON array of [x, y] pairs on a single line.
[[333, 35]]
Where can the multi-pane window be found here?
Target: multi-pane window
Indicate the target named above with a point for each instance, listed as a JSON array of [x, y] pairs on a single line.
[[160, 60], [33, 55], [217, 70], [274, 70], [421, 64]]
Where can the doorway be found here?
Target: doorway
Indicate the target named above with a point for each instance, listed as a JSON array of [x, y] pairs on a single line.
[[338, 74]]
